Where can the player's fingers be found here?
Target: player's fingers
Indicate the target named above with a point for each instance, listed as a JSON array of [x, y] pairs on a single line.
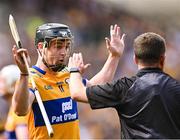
[[17, 54], [86, 66], [70, 62], [14, 55], [14, 49], [74, 56], [20, 51], [28, 57], [81, 58], [26, 53]]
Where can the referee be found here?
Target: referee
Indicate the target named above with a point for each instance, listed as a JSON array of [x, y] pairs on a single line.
[[148, 104]]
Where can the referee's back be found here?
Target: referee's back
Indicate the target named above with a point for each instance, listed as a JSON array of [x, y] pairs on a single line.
[[152, 107]]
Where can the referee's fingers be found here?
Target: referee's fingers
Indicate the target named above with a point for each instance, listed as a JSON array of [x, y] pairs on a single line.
[[81, 58]]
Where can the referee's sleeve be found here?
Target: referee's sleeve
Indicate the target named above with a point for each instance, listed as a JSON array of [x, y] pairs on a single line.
[[109, 94], [102, 96]]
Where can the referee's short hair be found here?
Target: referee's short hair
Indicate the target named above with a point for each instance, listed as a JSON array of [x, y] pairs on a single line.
[[149, 47]]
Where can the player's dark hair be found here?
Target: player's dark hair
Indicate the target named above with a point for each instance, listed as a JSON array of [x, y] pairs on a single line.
[[149, 47]]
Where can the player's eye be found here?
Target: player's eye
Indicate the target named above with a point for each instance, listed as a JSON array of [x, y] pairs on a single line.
[[59, 44], [68, 45]]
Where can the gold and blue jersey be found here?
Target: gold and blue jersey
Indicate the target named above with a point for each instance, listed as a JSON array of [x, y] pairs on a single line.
[[61, 109], [14, 121]]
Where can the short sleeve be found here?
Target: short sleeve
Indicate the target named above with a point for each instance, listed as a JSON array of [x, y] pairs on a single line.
[[109, 94]]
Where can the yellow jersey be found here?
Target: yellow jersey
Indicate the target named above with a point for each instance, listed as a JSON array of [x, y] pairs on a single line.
[[61, 109], [14, 121]]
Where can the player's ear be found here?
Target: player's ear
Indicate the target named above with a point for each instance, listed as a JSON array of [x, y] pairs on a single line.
[[39, 45]]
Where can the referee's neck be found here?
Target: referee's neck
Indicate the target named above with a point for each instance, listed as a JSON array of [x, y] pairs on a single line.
[[150, 66]]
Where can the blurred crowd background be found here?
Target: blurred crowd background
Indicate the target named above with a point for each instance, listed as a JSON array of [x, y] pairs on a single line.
[[89, 21]]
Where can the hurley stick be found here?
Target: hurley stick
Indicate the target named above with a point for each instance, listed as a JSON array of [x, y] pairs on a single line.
[[15, 34]]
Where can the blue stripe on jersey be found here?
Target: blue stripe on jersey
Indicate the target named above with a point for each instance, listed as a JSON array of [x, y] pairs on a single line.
[[38, 69], [58, 111], [32, 90], [10, 135], [84, 82]]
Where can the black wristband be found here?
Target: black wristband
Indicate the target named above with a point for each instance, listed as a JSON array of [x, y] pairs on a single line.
[[24, 74], [73, 70]]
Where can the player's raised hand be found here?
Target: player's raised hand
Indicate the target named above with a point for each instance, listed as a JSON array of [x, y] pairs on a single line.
[[17, 54], [115, 44], [76, 61]]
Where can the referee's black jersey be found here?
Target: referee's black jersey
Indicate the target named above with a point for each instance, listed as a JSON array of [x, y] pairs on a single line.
[[148, 104]]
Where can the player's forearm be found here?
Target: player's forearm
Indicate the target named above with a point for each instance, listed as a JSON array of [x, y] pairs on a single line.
[[20, 101], [77, 89], [107, 72]]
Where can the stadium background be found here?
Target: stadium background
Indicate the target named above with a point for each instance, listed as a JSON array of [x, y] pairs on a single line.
[[89, 20]]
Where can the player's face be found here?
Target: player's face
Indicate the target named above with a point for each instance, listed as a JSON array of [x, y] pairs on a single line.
[[57, 51]]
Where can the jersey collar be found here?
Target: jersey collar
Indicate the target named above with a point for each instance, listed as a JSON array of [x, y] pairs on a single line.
[[39, 70], [143, 71]]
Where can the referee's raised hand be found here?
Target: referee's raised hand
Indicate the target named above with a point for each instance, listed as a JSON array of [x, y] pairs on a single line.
[[115, 44]]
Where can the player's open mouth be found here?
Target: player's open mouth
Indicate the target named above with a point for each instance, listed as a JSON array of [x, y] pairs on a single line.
[[62, 60]]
